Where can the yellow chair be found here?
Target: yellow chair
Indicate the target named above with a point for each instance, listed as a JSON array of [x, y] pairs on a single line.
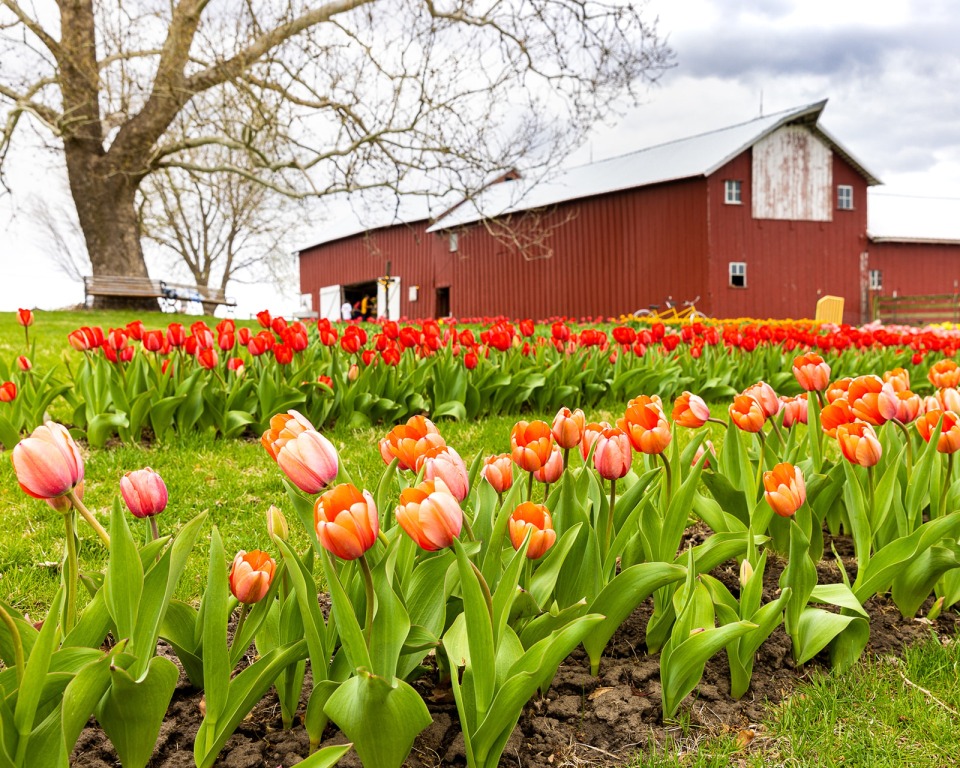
[[830, 309]]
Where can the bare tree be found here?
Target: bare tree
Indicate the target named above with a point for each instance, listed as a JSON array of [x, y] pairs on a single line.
[[415, 95]]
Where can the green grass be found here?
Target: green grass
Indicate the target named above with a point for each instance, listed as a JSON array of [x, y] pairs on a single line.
[[870, 716]]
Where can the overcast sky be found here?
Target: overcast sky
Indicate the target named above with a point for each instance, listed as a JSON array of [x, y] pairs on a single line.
[[889, 69]]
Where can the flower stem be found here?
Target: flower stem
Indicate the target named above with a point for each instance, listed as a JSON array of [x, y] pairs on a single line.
[[368, 584], [667, 479], [530, 487], [71, 571], [154, 531], [946, 485], [88, 516], [609, 532], [17, 642], [244, 610], [906, 436]]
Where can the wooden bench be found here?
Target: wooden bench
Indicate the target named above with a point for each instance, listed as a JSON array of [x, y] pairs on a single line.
[[917, 310], [147, 287]]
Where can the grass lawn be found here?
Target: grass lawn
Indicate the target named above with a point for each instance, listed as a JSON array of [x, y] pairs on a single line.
[[870, 716]]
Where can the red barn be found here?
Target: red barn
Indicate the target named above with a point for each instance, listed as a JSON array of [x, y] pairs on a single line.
[[757, 219]]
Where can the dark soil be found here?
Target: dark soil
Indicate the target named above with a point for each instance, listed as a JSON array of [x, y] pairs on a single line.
[[582, 720]]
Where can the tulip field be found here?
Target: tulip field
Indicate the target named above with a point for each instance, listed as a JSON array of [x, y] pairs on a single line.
[[416, 543]]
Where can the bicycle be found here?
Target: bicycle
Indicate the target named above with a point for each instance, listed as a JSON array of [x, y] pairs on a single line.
[[671, 313]]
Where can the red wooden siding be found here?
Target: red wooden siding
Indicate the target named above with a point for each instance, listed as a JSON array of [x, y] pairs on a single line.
[[790, 264], [911, 269]]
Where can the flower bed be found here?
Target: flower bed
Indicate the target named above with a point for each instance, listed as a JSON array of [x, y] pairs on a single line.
[[486, 577]]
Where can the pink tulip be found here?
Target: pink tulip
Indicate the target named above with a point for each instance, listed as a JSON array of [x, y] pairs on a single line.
[[612, 456], [144, 492], [430, 515], [446, 465], [309, 460], [551, 471], [498, 471], [48, 463]]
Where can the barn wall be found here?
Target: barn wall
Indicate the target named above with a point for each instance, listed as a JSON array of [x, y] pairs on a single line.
[[600, 256], [790, 264], [912, 269]]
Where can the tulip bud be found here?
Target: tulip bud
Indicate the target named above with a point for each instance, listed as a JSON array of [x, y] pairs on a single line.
[[446, 465], [498, 471], [144, 492], [859, 444], [277, 527], [251, 575], [612, 456], [690, 410], [746, 572], [23, 363]]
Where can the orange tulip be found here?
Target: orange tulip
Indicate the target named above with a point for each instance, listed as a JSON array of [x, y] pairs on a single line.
[[531, 444], [837, 389], [430, 515], [812, 373], [898, 378], [785, 490], [613, 456], [410, 443], [346, 521], [859, 444], [944, 373], [568, 428], [251, 575], [747, 413], [794, 410], [498, 470], [863, 395], [534, 518], [646, 425], [551, 471], [833, 415], [284, 427], [48, 463], [690, 410], [949, 440], [763, 393]]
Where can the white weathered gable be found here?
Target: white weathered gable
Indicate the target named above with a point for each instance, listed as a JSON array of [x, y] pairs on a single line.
[[792, 176]]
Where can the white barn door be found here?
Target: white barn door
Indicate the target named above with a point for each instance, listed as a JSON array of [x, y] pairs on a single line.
[[329, 302], [388, 306]]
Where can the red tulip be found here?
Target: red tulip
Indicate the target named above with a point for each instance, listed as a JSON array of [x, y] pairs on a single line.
[[498, 471], [430, 515], [283, 354], [235, 364], [23, 363], [470, 361], [531, 444], [153, 341], [207, 358], [794, 410], [144, 492], [612, 456], [25, 317], [346, 521], [251, 575], [535, 519], [8, 392], [785, 490], [176, 335], [48, 463], [263, 317]]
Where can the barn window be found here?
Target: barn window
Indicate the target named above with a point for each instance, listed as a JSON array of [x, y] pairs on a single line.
[[845, 197], [738, 274], [454, 242], [732, 192], [876, 280]]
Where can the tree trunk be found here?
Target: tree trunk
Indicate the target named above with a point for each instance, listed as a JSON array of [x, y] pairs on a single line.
[[105, 197]]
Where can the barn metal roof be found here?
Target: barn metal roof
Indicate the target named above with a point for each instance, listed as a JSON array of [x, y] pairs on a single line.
[[697, 156]]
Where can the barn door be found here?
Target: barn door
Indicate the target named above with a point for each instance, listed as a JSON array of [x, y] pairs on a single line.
[[329, 302], [388, 306]]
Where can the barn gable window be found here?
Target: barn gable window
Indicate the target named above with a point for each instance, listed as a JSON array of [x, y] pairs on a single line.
[[876, 280], [738, 274], [845, 197], [732, 192]]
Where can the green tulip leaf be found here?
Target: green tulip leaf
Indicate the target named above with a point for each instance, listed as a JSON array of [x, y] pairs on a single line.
[[123, 586], [396, 708], [326, 757]]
